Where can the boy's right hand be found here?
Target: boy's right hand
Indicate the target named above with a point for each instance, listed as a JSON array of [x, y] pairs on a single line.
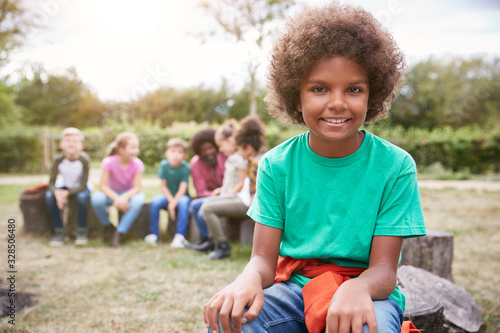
[[230, 302]]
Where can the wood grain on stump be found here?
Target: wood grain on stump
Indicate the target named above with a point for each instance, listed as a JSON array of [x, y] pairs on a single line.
[[459, 307]]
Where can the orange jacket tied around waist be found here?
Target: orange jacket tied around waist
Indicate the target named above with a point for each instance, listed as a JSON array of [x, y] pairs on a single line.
[[326, 278]]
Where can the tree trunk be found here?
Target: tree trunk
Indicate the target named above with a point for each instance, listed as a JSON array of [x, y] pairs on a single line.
[[433, 253], [253, 94]]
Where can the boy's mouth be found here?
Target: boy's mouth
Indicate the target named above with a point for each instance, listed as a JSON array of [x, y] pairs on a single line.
[[335, 121]]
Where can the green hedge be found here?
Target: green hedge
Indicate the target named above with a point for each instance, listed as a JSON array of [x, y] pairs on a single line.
[[470, 149], [20, 150]]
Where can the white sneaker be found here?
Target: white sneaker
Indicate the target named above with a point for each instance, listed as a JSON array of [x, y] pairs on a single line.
[[179, 241], [151, 239]]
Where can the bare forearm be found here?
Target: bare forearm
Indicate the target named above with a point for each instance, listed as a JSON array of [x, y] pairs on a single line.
[[379, 281], [109, 192], [130, 193], [263, 268]]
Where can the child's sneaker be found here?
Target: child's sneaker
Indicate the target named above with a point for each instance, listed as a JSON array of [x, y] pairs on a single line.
[[60, 237], [179, 241], [81, 236], [151, 239]]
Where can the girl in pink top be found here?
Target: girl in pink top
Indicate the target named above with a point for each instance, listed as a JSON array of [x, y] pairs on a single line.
[[120, 185]]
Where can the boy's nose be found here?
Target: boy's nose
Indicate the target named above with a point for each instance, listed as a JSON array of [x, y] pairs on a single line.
[[336, 100]]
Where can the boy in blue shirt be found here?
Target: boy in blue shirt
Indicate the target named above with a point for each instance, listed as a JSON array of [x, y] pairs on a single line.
[[174, 174]]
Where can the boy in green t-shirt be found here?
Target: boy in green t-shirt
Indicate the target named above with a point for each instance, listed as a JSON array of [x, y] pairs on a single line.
[[335, 202], [174, 174]]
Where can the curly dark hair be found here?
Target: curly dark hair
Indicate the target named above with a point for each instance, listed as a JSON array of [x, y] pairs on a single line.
[[202, 136], [333, 30], [251, 133]]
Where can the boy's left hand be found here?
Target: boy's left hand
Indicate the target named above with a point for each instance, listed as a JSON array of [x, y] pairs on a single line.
[[61, 197], [350, 308], [171, 210]]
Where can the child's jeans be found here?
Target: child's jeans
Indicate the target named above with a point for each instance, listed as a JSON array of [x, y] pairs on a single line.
[[160, 202], [82, 203], [100, 203], [194, 209], [283, 312]]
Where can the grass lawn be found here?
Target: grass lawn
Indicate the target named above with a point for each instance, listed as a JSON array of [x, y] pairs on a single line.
[[141, 288]]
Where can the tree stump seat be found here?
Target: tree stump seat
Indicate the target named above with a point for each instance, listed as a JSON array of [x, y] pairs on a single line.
[[433, 252], [435, 304]]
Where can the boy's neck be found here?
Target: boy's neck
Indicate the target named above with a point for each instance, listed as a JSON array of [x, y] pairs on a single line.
[[175, 165], [72, 157]]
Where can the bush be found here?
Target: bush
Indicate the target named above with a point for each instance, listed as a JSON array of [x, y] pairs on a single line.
[[466, 150], [469, 148], [20, 150]]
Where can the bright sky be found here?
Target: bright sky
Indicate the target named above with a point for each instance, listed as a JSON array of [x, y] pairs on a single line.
[[121, 49]]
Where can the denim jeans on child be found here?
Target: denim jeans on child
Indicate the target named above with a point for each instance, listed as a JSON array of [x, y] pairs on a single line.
[[160, 202], [100, 203], [82, 203], [194, 209], [283, 312]]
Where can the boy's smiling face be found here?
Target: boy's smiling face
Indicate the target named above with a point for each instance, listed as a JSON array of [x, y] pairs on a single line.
[[334, 102], [175, 155], [71, 145]]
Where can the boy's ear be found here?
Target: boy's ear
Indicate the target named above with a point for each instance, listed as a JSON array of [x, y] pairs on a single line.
[[299, 107], [165, 154]]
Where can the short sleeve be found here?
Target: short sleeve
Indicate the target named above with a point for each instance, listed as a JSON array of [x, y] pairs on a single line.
[[139, 166], [265, 207], [107, 163], [400, 212], [186, 172]]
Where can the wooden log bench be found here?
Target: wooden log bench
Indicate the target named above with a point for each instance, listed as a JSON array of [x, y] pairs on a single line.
[[433, 302], [37, 219]]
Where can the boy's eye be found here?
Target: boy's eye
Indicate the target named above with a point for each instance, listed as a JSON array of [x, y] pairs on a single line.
[[354, 90], [318, 89]]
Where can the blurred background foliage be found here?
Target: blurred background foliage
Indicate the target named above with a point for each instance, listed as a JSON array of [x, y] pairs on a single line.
[[447, 114]]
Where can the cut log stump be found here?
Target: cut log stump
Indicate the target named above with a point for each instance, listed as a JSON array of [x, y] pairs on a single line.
[[424, 291], [35, 213], [240, 230], [433, 253]]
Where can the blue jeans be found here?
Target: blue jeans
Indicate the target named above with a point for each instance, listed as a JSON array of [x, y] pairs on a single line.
[[82, 203], [100, 203], [160, 202], [283, 312], [194, 209]]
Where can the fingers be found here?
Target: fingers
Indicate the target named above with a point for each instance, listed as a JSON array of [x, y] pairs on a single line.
[[351, 324], [372, 323], [219, 308], [211, 308], [254, 309], [229, 310]]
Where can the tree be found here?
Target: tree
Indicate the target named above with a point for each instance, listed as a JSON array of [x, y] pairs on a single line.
[[10, 112], [167, 105], [49, 99], [454, 92], [251, 21], [15, 23]]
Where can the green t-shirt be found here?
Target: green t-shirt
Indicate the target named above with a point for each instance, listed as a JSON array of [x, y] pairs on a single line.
[[173, 176], [330, 208]]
